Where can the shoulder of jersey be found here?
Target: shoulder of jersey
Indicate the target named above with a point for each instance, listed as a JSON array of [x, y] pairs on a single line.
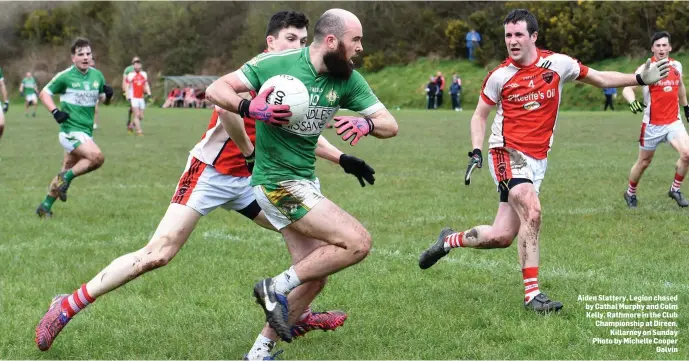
[[275, 55]]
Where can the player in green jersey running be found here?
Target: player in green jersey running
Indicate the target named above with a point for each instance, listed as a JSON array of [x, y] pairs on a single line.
[[28, 90], [5, 104], [284, 177], [80, 87], [126, 93]]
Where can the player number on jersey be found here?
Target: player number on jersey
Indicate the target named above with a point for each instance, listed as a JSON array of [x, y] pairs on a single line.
[[531, 84], [314, 99]]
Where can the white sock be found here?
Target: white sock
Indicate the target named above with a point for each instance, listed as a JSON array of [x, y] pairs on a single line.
[[262, 347], [286, 281]]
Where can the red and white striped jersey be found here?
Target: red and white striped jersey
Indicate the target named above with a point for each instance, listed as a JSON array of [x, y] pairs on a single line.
[[528, 100], [218, 150], [662, 98], [137, 82]]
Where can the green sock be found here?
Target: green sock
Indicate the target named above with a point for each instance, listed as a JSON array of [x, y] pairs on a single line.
[[69, 176], [48, 201]]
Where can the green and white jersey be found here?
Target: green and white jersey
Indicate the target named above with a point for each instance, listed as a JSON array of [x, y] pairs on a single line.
[[1, 76], [289, 152], [29, 86], [79, 94]]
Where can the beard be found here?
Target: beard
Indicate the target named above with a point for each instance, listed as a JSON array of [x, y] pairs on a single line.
[[337, 63]]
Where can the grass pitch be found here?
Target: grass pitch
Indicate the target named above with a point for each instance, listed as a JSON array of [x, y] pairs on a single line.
[[469, 305]]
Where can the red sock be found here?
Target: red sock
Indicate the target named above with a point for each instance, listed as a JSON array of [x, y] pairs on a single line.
[[631, 190], [530, 276], [77, 301], [454, 240], [677, 183]]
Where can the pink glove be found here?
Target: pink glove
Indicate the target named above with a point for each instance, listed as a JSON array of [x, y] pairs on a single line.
[[354, 126], [260, 110]]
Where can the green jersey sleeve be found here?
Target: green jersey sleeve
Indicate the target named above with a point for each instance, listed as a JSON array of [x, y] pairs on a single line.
[[264, 66], [360, 97], [1, 76], [58, 84], [101, 83]]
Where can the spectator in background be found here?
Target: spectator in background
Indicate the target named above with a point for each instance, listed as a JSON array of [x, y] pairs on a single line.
[[431, 91], [172, 97], [190, 97], [440, 81], [455, 91], [610, 93], [473, 39]]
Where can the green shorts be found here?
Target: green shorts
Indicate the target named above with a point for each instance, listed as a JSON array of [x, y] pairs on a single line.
[[288, 201]]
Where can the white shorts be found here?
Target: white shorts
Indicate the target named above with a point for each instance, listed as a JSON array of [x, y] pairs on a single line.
[[288, 201], [31, 98], [72, 140], [506, 164], [203, 189], [138, 103], [652, 135]]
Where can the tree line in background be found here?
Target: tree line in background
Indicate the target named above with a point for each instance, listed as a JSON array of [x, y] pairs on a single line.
[[175, 38]]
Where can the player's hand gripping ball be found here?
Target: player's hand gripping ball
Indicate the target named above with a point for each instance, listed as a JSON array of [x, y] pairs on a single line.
[[287, 90]]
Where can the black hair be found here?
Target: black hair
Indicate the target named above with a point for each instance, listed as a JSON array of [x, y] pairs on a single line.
[[285, 19], [660, 35], [518, 15], [78, 44]]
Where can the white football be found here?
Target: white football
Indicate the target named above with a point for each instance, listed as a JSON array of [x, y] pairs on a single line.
[[288, 91]]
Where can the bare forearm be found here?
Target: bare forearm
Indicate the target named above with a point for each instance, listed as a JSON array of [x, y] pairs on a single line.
[[613, 79], [384, 124], [47, 101], [478, 131], [327, 151], [628, 94], [222, 94], [234, 126], [148, 89]]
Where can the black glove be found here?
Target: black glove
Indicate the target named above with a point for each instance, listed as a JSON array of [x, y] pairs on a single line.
[[636, 106], [6, 107], [250, 160], [358, 168], [476, 157], [686, 112], [107, 89], [60, 116]]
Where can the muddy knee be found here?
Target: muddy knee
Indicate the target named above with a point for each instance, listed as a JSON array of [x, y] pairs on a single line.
[[97, 160], [362, 246], [503, 240], [157, 254]]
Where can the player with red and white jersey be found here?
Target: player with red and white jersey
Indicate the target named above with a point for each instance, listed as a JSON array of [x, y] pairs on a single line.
[[216, 175], [527, 90], [137, 89], [662, 121]]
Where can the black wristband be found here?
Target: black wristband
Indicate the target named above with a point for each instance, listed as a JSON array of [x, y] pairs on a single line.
[[243, 108], [639, 80], [54, 111], [370, 124]]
